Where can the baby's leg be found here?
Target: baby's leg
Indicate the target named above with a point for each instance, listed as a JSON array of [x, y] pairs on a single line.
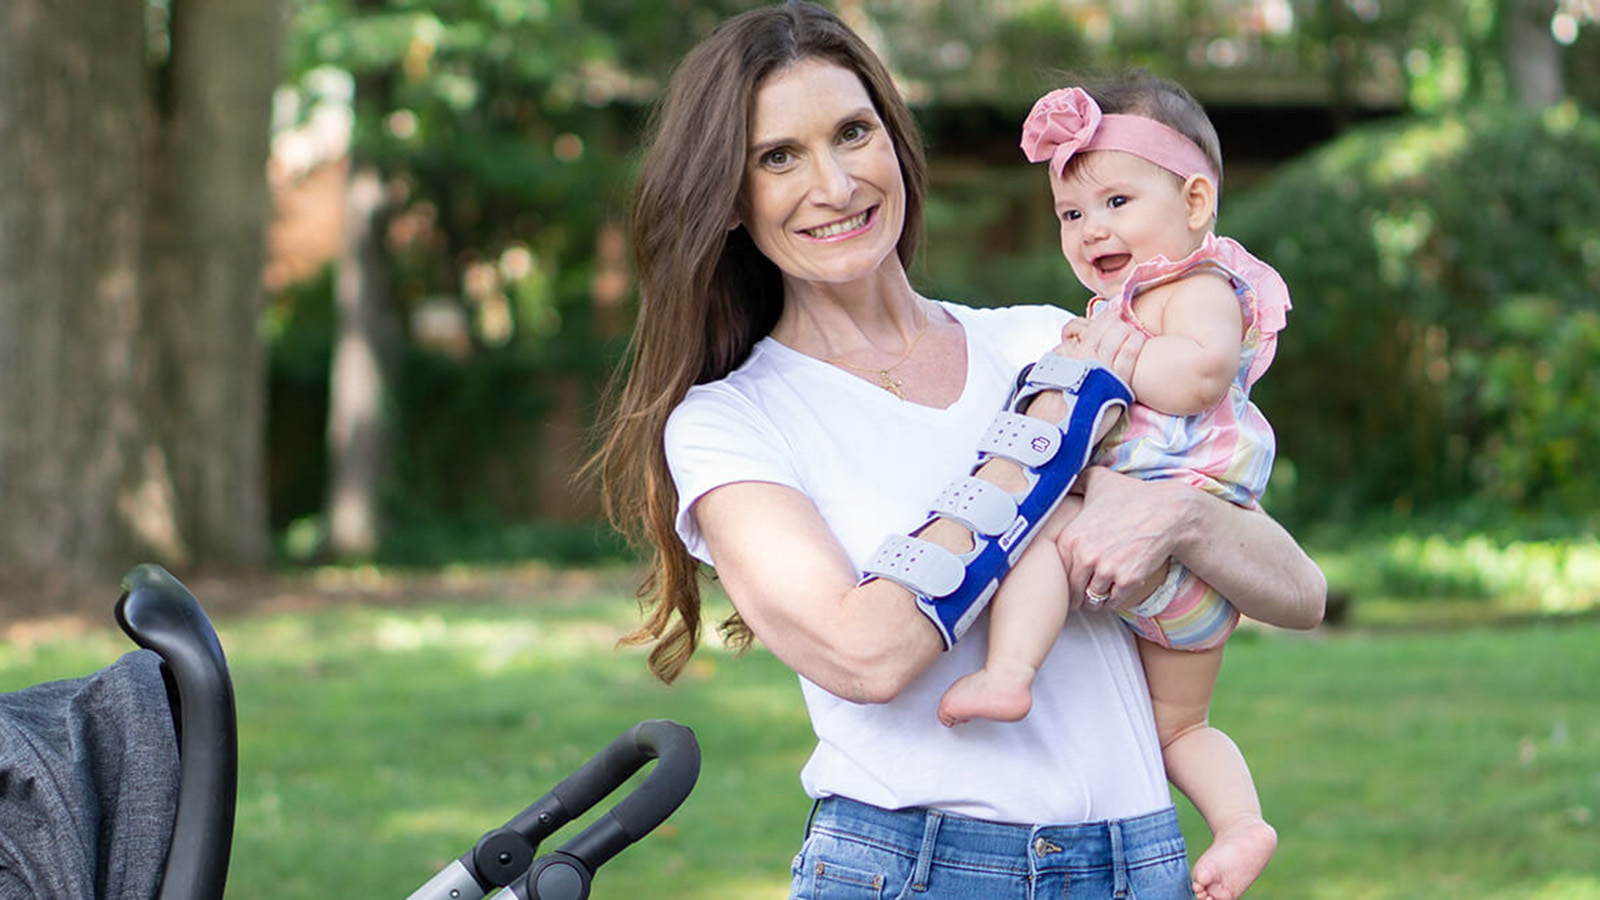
[[1024, 617], [1030, 605], [1207, 766]]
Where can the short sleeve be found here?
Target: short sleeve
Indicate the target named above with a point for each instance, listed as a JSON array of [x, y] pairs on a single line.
[[717, 437]]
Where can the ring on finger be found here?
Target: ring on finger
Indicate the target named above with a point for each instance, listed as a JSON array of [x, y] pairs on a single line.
[[1094, 599]]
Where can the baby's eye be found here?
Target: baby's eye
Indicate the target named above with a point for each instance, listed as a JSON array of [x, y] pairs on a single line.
[[1071, 215], [1118, 200]]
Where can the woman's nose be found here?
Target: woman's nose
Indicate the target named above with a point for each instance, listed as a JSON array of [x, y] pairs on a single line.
[[834, 184]]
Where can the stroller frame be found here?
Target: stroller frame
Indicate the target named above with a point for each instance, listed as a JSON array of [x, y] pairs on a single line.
[[158, 613]]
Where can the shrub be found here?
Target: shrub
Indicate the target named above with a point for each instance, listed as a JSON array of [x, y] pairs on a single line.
[[1446, 277]]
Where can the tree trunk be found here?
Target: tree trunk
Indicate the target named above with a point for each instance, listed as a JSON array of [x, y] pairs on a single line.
[[359, 382], [210, 210], [130, 254], [72, 114], [1532, 55]]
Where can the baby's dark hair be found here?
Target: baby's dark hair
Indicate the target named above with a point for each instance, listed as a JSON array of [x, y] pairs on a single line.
[[1137, 92]]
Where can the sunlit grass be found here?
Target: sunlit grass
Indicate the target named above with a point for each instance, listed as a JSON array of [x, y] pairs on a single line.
[[405, 734], [1459, 763], [1420, 577], [379, 741]]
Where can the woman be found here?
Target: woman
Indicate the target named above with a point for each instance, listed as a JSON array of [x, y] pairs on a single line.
[[792, 399]]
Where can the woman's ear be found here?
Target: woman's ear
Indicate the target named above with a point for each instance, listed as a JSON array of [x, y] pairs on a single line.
[[1200, 194]]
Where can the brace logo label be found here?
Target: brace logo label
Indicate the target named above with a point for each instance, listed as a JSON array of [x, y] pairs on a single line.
[[1041, 444], [1019, 526]]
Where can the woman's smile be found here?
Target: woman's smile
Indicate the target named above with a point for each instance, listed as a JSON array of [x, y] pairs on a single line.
[[842, 228]]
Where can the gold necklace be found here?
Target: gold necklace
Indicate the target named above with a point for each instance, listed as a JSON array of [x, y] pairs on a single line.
[[886, 379]]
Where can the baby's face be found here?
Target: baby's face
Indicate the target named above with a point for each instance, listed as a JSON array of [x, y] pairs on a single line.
[[1117, 210]]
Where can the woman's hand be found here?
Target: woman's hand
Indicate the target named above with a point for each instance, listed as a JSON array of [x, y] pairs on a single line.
[[1120, 543], [1125, 535]]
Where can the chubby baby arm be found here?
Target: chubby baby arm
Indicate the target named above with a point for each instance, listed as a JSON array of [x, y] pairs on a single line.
[[1188, 361]]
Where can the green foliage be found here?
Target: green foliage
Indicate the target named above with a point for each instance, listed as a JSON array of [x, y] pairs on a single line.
[[466, 469], [432, 541], [1428, 570], [507, 132], [504, 131], [299, 331], [1446, 275], [502, 123], [973, 222]]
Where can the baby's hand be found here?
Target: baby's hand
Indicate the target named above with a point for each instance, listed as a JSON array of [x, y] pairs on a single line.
[[1107, 339], [1072, 344]]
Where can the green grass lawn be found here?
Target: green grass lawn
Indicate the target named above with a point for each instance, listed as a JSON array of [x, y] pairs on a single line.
[[380, 741]]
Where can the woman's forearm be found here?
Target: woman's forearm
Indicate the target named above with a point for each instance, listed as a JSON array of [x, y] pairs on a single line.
[[1128, 529], [793, 585], [1253, 561]]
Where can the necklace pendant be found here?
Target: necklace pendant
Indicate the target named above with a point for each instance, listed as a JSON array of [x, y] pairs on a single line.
[[891, 384]]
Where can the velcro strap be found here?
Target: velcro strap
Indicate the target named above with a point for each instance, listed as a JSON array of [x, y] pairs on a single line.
[[1022, 439], [1060, 372], [977, 504], [919, 566]]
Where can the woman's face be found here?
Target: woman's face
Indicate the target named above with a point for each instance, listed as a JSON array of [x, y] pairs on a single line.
[[823, 196]]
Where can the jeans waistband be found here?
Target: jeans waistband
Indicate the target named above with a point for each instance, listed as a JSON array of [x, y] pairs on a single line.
[[981, 844]]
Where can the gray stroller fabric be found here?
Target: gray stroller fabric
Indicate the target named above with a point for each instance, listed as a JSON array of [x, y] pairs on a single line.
[[88, 785]]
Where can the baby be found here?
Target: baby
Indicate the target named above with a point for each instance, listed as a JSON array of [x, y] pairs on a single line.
[[1135, 171]]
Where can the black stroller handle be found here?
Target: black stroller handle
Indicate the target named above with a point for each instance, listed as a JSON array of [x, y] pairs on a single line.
[[503, 855], [160, 614], [663, 790]]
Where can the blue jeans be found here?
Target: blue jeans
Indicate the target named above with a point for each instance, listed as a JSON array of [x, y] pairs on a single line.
[[854, 851]]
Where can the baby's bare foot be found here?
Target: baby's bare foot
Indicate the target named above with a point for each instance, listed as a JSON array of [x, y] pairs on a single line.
[[1235, 859], [987, 694]]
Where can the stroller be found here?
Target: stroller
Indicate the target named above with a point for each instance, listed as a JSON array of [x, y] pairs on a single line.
[[68, 749]]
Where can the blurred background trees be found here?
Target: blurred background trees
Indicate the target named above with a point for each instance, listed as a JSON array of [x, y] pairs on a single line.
[[447, 280], [133, 138]]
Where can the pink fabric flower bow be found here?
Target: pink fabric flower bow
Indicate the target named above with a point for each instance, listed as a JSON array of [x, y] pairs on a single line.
[[1062, 123]]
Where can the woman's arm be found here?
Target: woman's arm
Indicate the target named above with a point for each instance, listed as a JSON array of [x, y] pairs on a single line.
[[795, 587], [1127, 529]]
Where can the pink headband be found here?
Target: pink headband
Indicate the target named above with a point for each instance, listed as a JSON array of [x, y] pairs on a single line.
[[1068, 121]]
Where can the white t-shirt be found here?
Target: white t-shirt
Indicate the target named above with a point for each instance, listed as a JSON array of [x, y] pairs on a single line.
[[871, 463]]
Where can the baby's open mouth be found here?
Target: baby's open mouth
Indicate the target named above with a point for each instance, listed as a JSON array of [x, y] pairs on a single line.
[[1111, 264]]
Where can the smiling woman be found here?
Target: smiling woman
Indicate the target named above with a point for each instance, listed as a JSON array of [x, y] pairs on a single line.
[[792, 400], [823, 197]]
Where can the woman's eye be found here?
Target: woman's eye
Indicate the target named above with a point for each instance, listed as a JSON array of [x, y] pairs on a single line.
[[853, 132], [776, 159]]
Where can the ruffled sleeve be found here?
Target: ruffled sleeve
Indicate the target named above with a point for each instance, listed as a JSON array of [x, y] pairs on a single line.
[[1263, 295]]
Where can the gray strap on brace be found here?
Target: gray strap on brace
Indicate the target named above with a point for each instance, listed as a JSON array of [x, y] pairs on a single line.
[[978, 505], [1027, 441], [921, 567]]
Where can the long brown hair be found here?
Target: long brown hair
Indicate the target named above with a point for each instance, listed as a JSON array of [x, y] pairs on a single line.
[[706, 294]]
